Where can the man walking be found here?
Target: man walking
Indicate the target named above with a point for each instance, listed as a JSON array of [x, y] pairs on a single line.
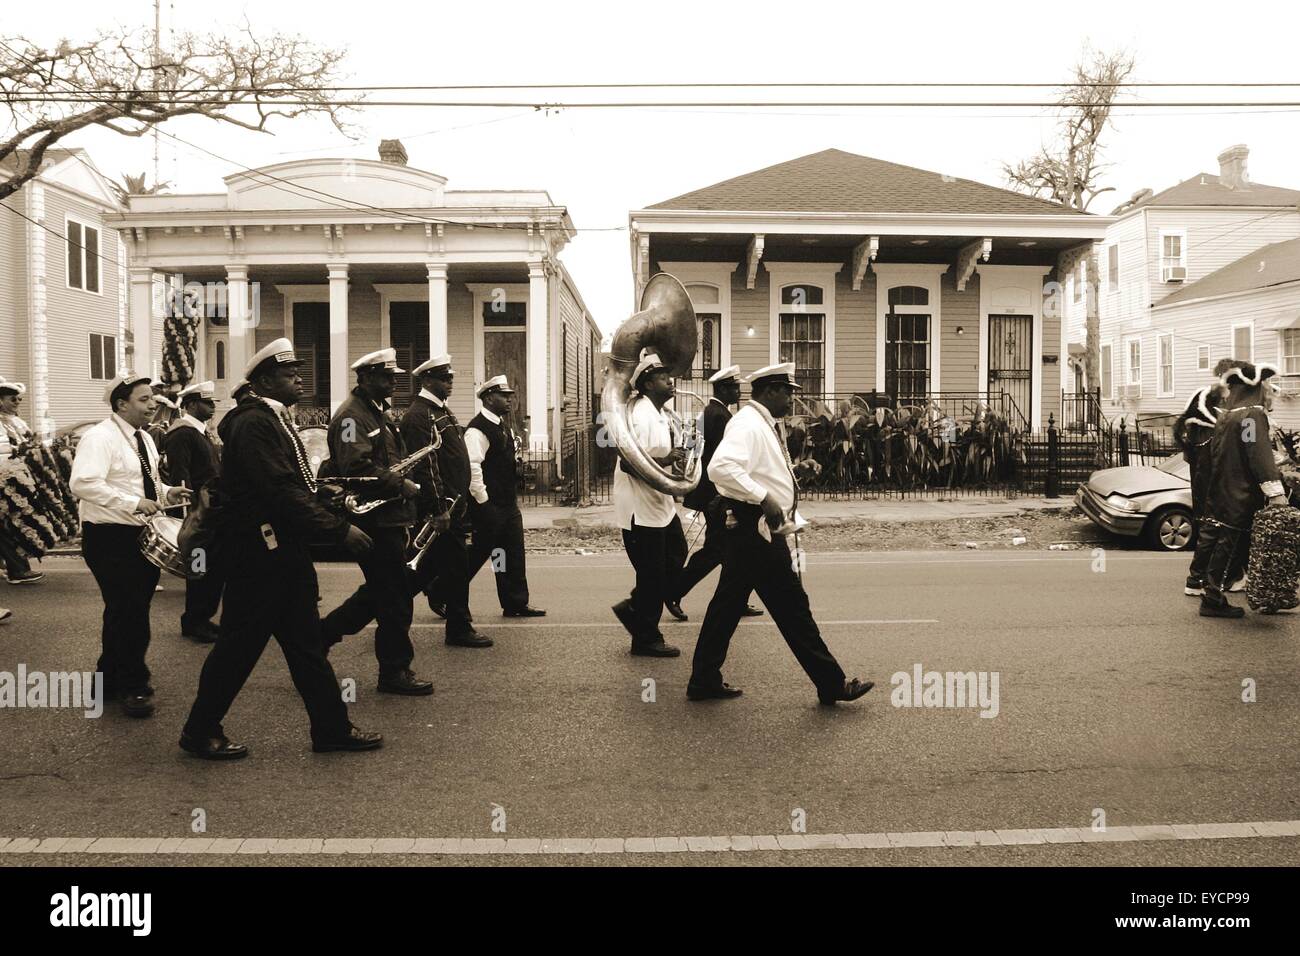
[[752, 470]]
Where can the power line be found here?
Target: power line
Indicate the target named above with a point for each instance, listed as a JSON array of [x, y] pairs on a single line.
[[984, 84], [111, 100]]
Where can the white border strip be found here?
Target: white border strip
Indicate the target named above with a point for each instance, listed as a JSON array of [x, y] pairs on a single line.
[[502, 846]]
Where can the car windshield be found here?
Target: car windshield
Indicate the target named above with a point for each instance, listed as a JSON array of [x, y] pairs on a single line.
[[1177, 466]]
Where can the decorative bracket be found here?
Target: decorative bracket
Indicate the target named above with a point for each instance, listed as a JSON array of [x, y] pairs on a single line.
[[980, 249], [642, 264], [863, 255], [752, 256]]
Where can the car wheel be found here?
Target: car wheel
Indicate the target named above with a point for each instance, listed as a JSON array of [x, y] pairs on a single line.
[[1171, 529]]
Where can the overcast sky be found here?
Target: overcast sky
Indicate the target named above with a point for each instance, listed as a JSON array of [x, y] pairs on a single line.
[[601, 163]]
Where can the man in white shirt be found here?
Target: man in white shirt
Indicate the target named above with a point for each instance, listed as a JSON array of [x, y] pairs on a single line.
[[753, 474], [115, 477], [652, 532]]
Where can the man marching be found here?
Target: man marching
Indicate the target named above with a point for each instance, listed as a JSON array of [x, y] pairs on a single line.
[[494, 508], [115, 476], [704, 498], [363, 443], [190, 459], [270, 516], [14, 435], [652, 532], [752, 471], [443, 573]]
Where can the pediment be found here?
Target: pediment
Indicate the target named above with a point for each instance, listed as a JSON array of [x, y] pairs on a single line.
[[330, 183]]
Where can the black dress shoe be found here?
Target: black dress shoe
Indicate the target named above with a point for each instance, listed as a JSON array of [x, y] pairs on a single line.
[[470, 639], [675, 609], [439, 608], [355, 740], [623, 611], [852, 690], [722, 692], [751, 611], [1220, 609], [136, 704], [404, 682], [205, 632], [654, 649], [524, 611], [212, 748]]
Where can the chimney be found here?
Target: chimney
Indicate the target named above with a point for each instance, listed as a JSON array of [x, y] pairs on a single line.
[[392, 151], [1232, 167]]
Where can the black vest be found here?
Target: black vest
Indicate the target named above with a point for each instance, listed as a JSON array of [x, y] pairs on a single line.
[[499, 462]]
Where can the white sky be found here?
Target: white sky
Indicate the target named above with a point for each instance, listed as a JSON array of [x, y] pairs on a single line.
[[601, 163]]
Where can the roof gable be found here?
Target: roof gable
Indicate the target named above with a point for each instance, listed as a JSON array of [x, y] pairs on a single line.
[[1204, 189], [1267, 266], [835, 181], [72, 169]]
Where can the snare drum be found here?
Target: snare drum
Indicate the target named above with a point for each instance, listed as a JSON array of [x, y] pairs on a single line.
[[158, 544]]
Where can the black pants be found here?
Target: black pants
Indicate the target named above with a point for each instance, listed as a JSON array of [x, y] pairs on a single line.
[[126, 582], [1229, 548], [385, 597], [271, 594], [1200, 473], [443, 576], [16, 563], [202, 598], [709, 556], [499, 537], [750, 563], [657, 555]]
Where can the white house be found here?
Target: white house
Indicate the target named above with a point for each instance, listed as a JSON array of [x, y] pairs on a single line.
[[1175, 295], [63, 295], [345, 256]]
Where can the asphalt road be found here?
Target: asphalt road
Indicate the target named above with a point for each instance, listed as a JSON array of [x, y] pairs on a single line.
[[1113, 695]]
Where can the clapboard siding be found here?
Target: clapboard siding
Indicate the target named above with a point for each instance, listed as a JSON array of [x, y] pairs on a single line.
[[750, 309], [73, 314], [1215, 238], [855, 334], [570, 335], [15, 353], [959, 354], [460, 343]]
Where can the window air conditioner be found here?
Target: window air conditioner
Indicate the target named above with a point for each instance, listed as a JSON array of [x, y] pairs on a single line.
[[1174, 273]]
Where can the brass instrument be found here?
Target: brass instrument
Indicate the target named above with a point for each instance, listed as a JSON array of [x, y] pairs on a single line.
[[428, 534], [686, 431], [354, 503], [667, 324]]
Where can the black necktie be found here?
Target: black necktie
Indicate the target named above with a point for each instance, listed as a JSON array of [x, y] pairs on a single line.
[[150, 490]]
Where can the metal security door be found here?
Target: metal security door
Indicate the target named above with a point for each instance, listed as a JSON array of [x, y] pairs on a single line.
[[1011, 350]]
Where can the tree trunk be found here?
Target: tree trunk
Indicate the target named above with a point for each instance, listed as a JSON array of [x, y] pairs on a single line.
[[1092, 338]]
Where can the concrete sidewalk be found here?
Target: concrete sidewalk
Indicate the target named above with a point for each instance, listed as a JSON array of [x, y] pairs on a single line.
[[828, 512]]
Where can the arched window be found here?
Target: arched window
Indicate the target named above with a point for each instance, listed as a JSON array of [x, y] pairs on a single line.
[[803, 335], [708, 318], [221, 361]]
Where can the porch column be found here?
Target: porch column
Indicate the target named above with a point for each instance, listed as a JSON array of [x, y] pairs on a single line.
[[339, 364], [437, 308], [142, 311], [539, 322], [240, 342]]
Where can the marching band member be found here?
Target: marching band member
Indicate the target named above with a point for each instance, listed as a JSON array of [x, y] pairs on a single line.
[[444, 572], [752, 471], [364, 443], [652, 532], [14, 434], [1245, 478], [191, 459], [115, 476], [726, 392], [242, 392], [270, 515], [494, 509]]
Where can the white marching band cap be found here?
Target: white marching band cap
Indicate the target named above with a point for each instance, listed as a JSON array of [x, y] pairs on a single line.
[[8, 386], [281, 350], [384, 358], [438, 361], [726, 374], [649, 362], [783, 371], [124, 377], [1249, 374], [497, 383], [206, 390]]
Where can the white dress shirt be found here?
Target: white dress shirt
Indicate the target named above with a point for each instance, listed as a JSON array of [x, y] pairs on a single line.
[[749, 462], [437, 402], [188, 419], [477, 444], [633, 498], [13, 432], [106, 474]]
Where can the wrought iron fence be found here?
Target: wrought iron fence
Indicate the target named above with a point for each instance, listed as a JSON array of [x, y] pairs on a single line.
[[1061, 459]]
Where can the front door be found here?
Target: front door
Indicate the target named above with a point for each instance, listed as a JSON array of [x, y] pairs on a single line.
[[311, 343], [506, 353], [1011, 350]]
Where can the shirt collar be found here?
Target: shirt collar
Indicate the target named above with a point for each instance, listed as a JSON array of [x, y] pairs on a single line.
[[193, 422], [437, 402], [714, 398], [762, 410], [277, 407], [492, 417], [123, 426]]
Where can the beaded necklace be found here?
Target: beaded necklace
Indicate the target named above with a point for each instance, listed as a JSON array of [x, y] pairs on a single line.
[[300, 453]]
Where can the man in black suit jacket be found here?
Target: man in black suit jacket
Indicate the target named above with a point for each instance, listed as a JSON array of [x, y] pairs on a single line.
[[190, 458], [704, 499]]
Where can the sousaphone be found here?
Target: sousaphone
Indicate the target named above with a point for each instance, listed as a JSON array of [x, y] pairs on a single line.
[[666, 325]]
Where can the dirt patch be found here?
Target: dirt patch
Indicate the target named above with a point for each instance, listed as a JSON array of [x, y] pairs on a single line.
[[1040, 530]]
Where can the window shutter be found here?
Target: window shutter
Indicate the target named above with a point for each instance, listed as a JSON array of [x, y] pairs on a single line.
[[74, 255], [92, 259]]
